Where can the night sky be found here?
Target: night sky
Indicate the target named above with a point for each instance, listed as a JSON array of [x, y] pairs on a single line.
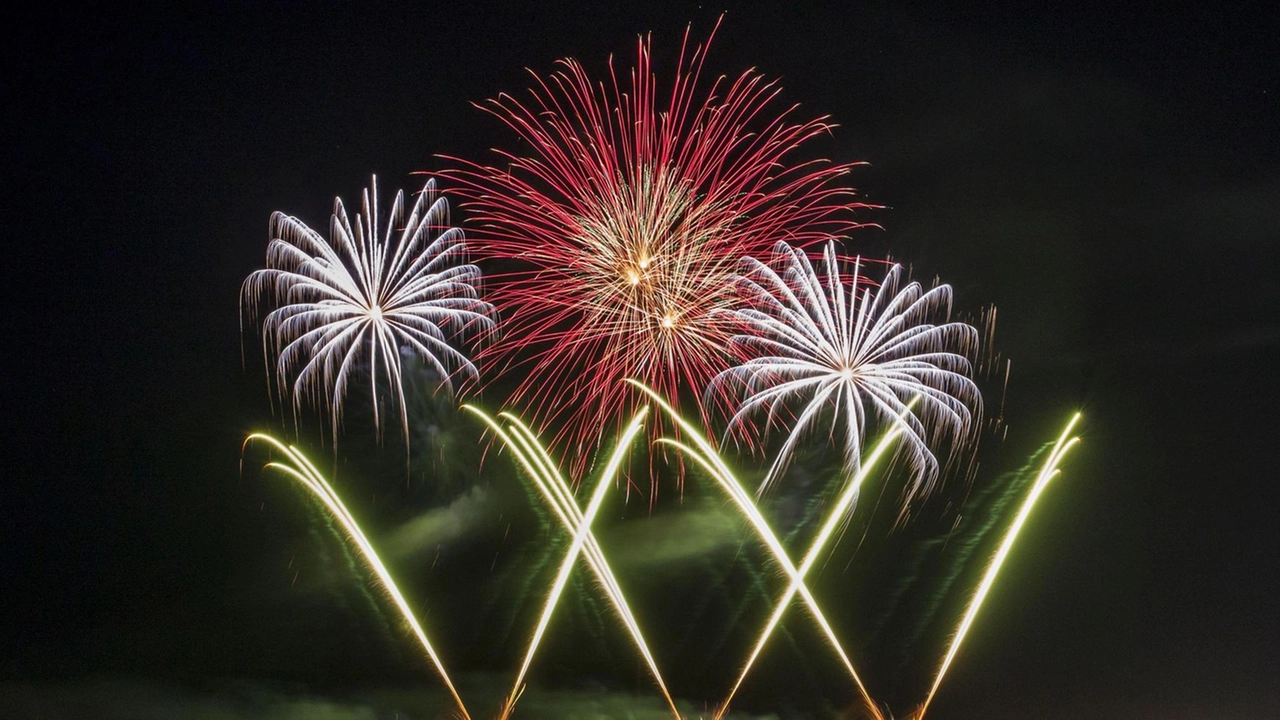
[[1109, 179]]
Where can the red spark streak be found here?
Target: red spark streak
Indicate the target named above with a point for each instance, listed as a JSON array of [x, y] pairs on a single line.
[[618, 231]]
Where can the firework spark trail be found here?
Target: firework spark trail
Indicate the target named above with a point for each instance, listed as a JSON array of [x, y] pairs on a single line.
[[595, 555], [579, 539], [533, 457], [626, 216], [705, 455], [961, 545], [358, 296], [821, 341], [1047, 473], [834, 518], [309, 477]]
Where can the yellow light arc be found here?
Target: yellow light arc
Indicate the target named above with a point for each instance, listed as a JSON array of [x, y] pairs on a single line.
[[1047, 473], [303, 471], [535, 460], [532, 456], [579, 540], [834, 518], [706, 456]]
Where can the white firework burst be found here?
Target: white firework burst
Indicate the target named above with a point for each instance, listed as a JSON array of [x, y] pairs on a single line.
[[358, 299], [836, 342]]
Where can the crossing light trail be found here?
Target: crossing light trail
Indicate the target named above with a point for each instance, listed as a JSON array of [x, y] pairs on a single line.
[[579, 540], [705, 455], [534, 458], [834, 518]]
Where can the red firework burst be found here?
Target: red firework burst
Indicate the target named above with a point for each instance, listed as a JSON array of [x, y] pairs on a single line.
[[619, 230]]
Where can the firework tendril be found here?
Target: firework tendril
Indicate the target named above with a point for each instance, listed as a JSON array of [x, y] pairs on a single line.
[[361, 297], [618, 226], [816, 342]]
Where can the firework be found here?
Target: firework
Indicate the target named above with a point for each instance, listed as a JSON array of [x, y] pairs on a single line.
[[582, 532], [831, 341], [835, 516], [1047, 473], [537, 462], [705, 455], [360, 297], [305, 473], [619, 229], [534, 459]]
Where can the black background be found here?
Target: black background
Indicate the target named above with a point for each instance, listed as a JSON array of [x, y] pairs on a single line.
[[1109, 178]]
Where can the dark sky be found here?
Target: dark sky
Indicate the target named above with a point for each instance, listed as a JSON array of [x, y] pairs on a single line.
[[1109, 179]]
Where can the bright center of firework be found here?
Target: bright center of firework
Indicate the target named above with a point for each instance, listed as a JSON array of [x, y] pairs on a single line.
[[644, 262], [668, 321], [375, 313], [633, 277], [847, 374]]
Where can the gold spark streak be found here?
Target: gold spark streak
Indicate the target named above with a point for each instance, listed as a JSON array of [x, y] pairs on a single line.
[[833, 520], [1047, 473], [535, 460], [706, 456], [579, 539], [309, 477]]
